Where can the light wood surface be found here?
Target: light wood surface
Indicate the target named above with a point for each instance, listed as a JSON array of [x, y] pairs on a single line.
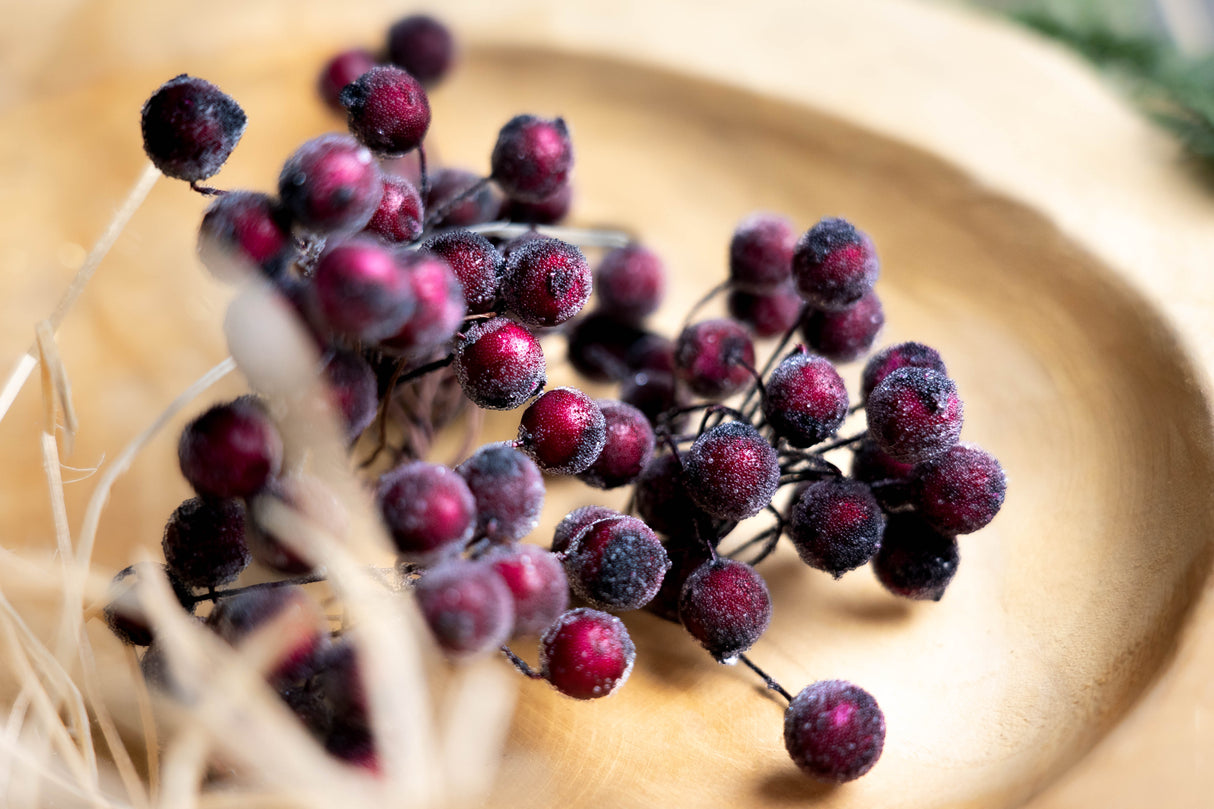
[[1051, 244]]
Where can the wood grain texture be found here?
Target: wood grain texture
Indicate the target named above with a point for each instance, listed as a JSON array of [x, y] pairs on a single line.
[[1076, 321]]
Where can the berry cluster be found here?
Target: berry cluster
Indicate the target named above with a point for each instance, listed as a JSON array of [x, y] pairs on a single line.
[[420, 306]]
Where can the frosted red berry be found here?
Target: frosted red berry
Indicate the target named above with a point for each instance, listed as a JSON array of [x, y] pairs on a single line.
[[960, 491], [617, 564], [564, 430], [662, 500], [532, 157], [834, 731], [387, 110], [190, 127], [627, 450], [362, 290], [500, 364], [834, 265], [509, 491], [476, 263], [586, 654], [331, 184], [760, 253], [398, 219], [836, 525], [549, 211], [915, 560], [204, 542], [713, 357], [446, 185], [352, 389], [845, 335], [600, 346], [805, 400], [423, 46], [245, 234], [630, 282], [891, 358], [537, 583], [575, 522], [915, 414], [231, 450], [339, 71], [428, 509], [731, 471], [769, 314], [871, 464], [439, 309], [726, 606], [547, 281], [467, 606]]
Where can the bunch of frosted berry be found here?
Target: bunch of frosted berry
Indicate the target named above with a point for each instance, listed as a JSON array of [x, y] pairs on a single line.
[[428, 291]]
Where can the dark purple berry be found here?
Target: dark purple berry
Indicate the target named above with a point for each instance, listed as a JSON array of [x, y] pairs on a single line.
[[960, 491], [467, 606], [834, 731], [313, 500], [331, 184], [362, 290], [423, 46], [399, 215], [548, 211], [429, 511], [570, 528], [713, 357], [617, 564], [204, 542], [767, 315], [655, 393], [476, 263], [630, 282], [586, 654], [725, 605], [834, 265], [891, 358], [532, 157], [440, 307], [760, 253], [500, 364], [563, 430], [231, 450], [845, 335], [537, 583], [871, 464], [446, 185], [731, 471], [600, 345], [387, 109], [547, 281], [915, 561], [124, 614], [190, 127], [628, 448], [302, 631], [651, 353], [836, 525], [662, 500], [508, 489], [686, 554], [805, 400], [339, 71], [244, 234], [915, 414], [353, 390]]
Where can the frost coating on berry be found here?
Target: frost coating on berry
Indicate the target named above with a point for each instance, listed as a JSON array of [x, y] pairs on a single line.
[[805, 400], [467, 606], [537, 583], [423, 46], [891, 358], [362, 290], [731, 471], [476, 263], [428, 509], [617, 564], [915, 561], [548, 211], [547, 281], [388, 111], [712, 357], [960, 491], [834, 265], [871, 464], [244, 234], [662, 500], [204, 542], [586, 654], [499, 364], [726, 606], [570, 528], [836, 525], [564, 430], [767, 315], [440, 307], [231, 450], [532, 157], [846, 335], [627, 450], [630, 282], [760, 253], [339, 71], [399, 215], [190, 127], [331, 184], [509, 491], [834, 730], [915, 414]]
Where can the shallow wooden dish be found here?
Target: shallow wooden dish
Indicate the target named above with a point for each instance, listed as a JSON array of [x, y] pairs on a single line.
[[1064, 610]]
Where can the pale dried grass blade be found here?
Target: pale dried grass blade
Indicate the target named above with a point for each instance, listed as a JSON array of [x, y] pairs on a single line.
[[54, 379]]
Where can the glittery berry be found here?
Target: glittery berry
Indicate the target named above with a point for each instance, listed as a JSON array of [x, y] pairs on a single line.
[[387, 109], [627, 450], [532, 157], [547, 281], [769, 314], [891, 358], [630, 282], [446, 185], [662, 500], [190, 127], [713, 357], [731, 471], [537, 583], [915, 414], [586, 654], [960, 491], [564, 430], [509, 491], [231, 450], [834, 265], [429, 510], [440, 307], [245, 234], [339, 71], [617, 564], [467, 606], [805, 400], [845, 335], [834, 731], [570, 528], [915, 561], [423, 46], [760, 253], [500, 364], [476, 263], [836, 525], [362, 290], [204, 542], [725, 605], [331, 184], [398, 219]]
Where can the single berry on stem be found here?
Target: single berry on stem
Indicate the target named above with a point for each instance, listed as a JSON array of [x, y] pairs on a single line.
[[231, 450], [960, 491], [440, 306], [509, 491], [547, 281], [245, 234], [834, 730], [387, 109], [726, 606], [204, 542], [467, 606], [848, 334], [331, 184], [423, 46], [429, 510], [630, 282], [537, 583], [500, 364], [476, 263], [714, 357], [915, 414], [617, 564], [352, 389], [398, 219], [834, 265], [915, 561], [805, 400], [564, 430], [586, 654], [532, 157], [836, 525], [760, 254], [190, 127], [362, 290], [627, 450], [549, 211], [731, 471]]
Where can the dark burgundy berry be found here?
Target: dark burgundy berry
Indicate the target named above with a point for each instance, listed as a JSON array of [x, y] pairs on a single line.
[[204, 542], [847, 335], [915, 561], [245, 234], [446, 185], [353, 390], [586, 654], [331, 184], [537, 583], [476, 263], [548, 211], [563, 430], [725, 605], [508, 489], [628, 448], [124, 614], [651, 353], [339, 676], [570, 528], [731, 471], [302, 636], [654, 394], [507, 248], [836, 525], [805, 400], [231, 450], [960, 491], [428, 509], [713, 357], [190, 127], [362, 290], [600, 345], [687, 554], [467, 606], [617, 564], [440, 307], [915, 414], [767, 315], [500, 364], [872, 464], [399, 215], [834, 265], [662, 500], [891, 358], [760, 253], [423, 46], [313, 500], [834, 730], [547, 281], [387, 109], [532, 157], [630, 282], [339, 71]]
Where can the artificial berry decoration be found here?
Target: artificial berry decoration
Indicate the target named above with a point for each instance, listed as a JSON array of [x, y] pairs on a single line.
[[564, 430], [834, 265], [836, 525], [725, 605], [760, 253], [834, 730], [537, 583], [362, 290], [439, 305], [848, 334], [204, 542], [500, 364], [547, 281], [467, 606], [476, 263], [915, 414], [915, 560], [428, 509], [806, 400], [586, 654], [714, 357], [190, 127], [508, 489], [630, 282], [891, 358], [617, 564], [398, 219], [731, 471], [627, 450], [231, 450], [331, 184], [532, 157], [571, 527], [388, 110], [245, 234], [960, 491], [423, 46]]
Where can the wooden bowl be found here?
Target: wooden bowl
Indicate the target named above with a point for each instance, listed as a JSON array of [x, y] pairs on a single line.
[[1063, 611]]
